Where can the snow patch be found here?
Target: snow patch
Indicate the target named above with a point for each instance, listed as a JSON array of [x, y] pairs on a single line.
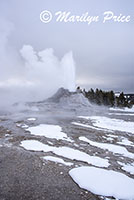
[[120, 114], [126, 142], [110, 147], [74, 154], [65, 152], [49, 131], [104, 182], [113, 124], [88, 126], [112, 136], [24, 126], [84, 117], [127, 167], [18, 125], [34, 145], [123, 110], [31, 119]]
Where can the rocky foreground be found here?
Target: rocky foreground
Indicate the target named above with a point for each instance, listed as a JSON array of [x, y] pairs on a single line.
[[40, 143]]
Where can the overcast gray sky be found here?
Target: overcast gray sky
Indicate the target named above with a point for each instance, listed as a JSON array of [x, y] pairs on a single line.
[[103, 53]]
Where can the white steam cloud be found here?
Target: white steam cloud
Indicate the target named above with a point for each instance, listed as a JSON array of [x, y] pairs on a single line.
[[44, 68], [29, 75]]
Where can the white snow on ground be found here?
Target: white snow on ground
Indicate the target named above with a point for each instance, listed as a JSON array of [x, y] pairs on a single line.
[[84, 117], [57, 160], [35, 145], [127, 167], [24, 126], [66, 152], [49, 131], [31, 119], [110, 147], [49, 142], [104, 182], [120, 114], [88, 126], [113, 124], [74, 154], [123, 110], [18, 125], [126, 142], [112, 136], [7, 135]]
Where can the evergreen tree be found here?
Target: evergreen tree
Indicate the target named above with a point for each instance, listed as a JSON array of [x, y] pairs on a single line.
[[106, 98]]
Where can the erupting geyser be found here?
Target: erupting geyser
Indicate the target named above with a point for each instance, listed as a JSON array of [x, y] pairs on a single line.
[[47, 70], [68, 67], [41, 74]]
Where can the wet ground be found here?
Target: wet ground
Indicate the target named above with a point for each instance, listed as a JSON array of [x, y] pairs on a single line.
[[25, 175]]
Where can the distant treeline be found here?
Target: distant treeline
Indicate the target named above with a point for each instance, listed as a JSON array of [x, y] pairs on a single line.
[[107, 98]]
